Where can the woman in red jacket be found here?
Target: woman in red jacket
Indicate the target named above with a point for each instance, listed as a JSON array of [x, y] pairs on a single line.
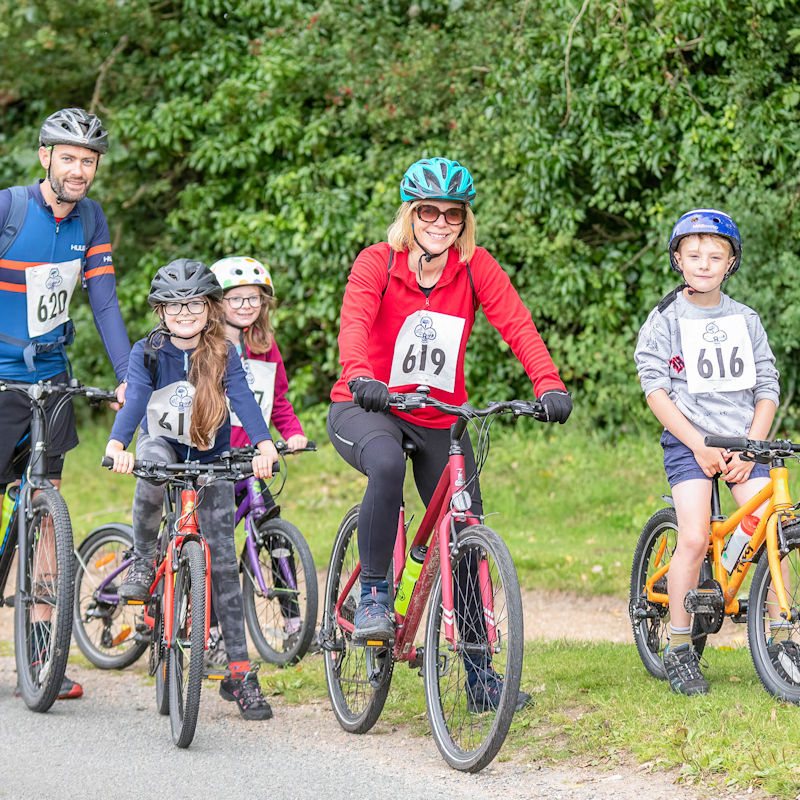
[[425, 283]]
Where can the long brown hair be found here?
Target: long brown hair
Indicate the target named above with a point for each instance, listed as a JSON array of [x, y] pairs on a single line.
[[258, 337], [207, 368]]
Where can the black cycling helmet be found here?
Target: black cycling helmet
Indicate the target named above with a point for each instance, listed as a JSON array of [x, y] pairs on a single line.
[[183, 279], [74, 126]]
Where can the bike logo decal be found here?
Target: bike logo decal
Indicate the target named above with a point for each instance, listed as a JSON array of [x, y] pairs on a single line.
[[714, 334], [53, 279], [425, 330], [182, 399]]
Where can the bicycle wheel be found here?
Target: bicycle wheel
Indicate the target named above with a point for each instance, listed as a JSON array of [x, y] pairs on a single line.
[[358, 678], [105, 626], [185, 659], [282, 621], [775, 669], [43, 604], [650, 620], [456, 673]]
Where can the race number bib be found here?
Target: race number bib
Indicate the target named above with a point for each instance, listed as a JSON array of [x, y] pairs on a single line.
[[718, 354], [169, 412], [426, 350], [261, 380], [49, 289]]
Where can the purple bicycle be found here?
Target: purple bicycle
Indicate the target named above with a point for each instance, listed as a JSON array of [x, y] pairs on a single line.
[[279, 584]]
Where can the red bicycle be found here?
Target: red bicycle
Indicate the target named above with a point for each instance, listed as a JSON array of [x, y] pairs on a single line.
[[177, 615], [470, 586]]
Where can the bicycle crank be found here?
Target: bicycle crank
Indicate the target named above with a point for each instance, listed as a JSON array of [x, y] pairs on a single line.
[[707, 603]]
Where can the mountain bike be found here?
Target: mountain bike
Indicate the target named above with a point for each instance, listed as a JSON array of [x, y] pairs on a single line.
[[470, 586], [774, 596], [177, 613], [279, 584], [40, 530], [279, 579]]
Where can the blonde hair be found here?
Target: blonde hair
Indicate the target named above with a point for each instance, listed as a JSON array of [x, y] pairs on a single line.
[[207, 368], [401, 234], [258, 336]]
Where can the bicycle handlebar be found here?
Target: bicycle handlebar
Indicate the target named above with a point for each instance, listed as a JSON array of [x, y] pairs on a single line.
[[42, 388], [411, 401], [280, 446], [231, 467], [742, 444]]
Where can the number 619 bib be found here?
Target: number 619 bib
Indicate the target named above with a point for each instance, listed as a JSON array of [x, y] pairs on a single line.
[[718, 354]]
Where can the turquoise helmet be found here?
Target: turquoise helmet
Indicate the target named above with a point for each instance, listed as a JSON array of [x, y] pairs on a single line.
[[437, 179]]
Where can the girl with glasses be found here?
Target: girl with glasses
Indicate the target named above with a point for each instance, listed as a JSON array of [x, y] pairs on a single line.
[[408, 310], [178, 380]]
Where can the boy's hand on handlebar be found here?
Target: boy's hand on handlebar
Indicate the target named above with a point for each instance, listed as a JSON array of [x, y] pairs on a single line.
[[711, 460], [123, 460], [296, 442], [557, 405], [267, 456], [737, 471]]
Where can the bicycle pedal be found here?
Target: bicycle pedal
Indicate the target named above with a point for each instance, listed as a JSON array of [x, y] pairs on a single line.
[[705, 600], [143, 636], [373, 642], [9, 601], [216, 674]]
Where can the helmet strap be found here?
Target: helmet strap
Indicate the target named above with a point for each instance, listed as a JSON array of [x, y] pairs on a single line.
[[427, 255]]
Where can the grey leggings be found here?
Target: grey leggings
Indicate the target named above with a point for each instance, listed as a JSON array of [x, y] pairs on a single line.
[[216, 520]]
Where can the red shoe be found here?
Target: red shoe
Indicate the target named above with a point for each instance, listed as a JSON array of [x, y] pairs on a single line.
[[70, 690]]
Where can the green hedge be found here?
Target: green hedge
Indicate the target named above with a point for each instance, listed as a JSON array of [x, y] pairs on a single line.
[[281, 129]]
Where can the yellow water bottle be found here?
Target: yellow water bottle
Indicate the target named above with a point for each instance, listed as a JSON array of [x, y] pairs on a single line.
[[411, 573]]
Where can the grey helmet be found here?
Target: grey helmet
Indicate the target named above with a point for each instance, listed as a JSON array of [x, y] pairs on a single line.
[[183, 279], [74, 126]]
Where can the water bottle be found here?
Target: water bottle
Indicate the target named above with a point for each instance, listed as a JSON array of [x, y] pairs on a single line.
[[411, 573], [9, 500], [740, 538]]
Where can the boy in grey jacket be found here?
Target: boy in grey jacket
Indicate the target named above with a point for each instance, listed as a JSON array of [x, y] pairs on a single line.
[[706, 367]]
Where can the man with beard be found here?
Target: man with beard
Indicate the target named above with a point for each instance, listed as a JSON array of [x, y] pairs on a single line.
[[53, 239]]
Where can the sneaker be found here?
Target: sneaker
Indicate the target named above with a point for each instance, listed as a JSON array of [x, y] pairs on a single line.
[[682, 666], [785, 657], [247, 694], [215, 656], [374, 618], [484, 688], [70, 690], [138, 581]]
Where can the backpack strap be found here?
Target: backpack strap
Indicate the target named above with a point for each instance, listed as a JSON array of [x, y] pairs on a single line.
[[388, 268], [669, 299], [151, 356], [15, 219], [31, 348]]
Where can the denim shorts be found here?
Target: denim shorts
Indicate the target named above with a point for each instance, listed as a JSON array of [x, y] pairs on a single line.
[[681, 465]]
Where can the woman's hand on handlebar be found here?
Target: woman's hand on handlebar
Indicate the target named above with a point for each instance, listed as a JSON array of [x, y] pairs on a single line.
[[123, 460], [267, 456]]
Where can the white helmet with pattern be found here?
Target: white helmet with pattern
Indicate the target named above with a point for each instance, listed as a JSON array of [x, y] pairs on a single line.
[[242, 271]]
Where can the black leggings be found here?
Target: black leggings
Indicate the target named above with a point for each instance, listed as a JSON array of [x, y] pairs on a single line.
[[373, 444]]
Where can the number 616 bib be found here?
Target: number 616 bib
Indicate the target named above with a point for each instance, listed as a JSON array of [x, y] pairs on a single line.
[[718, 354], [169, 412]]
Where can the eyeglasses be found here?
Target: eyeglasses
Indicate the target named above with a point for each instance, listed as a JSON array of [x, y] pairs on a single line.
[[192, 306], [453, 216], [255, 301]]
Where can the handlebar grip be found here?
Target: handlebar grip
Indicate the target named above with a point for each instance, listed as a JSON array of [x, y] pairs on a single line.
[[730, 442], [107, 462]]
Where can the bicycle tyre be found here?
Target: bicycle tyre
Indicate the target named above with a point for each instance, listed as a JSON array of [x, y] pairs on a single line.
[[469, 740], [267, 617], [40, 676], [649, 620], [185, 658], [358, 678], [784, 686], [104, 631]]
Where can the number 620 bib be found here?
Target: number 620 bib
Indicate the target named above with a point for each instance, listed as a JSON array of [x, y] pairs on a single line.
[[718, 354], [49, 288]]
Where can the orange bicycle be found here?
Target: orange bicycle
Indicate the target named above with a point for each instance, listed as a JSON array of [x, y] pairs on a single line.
[[774, 596]]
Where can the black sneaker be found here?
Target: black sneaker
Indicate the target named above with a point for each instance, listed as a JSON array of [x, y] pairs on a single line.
[[247, 694], [785, 657], [682, 665], [374, 618], [138, 581], [484, 688]]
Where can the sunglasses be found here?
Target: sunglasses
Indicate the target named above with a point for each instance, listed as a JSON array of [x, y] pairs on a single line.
[[238, 302], [193, 307], [453, 216]]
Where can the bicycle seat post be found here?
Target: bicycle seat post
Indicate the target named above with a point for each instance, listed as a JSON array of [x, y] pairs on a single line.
[[716, 508]]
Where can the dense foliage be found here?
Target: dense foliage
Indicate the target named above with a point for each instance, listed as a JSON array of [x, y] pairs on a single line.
[[280, 129]]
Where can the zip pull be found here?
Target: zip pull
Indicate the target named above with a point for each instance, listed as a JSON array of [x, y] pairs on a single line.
[[186, 363], [427, 302]]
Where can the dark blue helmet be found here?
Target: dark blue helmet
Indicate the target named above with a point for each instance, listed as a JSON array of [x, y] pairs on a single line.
[[706, 220], [437, 179]]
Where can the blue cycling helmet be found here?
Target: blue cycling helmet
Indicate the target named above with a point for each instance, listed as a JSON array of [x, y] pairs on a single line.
[[706, 220], [437, 179]]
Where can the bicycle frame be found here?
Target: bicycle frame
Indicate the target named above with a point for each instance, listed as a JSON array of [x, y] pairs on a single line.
[[779, 501], [438, 526], [250, 509]]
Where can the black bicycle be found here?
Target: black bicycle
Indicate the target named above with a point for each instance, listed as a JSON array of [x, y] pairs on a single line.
[[39, 528]]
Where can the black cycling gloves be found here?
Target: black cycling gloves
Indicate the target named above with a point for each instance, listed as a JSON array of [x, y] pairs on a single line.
[[557, 405], [370, 394]]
